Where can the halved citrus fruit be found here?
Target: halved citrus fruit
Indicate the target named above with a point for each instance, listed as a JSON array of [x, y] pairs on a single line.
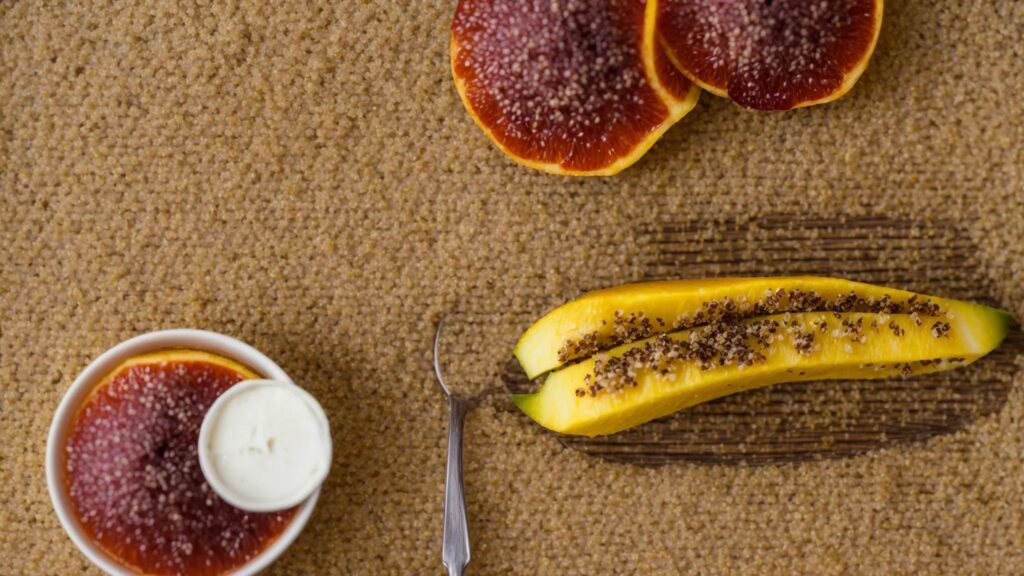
[[566, 86], [132, 474], [770, 54]]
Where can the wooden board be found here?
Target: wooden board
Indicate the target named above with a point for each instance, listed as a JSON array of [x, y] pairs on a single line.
[[812, 420]]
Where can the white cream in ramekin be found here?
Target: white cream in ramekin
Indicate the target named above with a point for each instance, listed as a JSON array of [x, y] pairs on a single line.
[[265, 445]]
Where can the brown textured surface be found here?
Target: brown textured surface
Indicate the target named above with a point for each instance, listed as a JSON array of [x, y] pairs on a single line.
[[301, 179]]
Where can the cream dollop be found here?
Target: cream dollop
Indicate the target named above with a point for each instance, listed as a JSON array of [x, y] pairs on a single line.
[[265, 445]]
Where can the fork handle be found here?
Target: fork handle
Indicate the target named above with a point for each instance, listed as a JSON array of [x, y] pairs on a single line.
[[455, 546]]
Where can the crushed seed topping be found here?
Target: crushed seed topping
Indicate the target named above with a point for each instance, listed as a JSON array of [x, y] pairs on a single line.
[[896, 328], [586, 345], [721, 344], [853, 330], [628, 328], [804, 342]]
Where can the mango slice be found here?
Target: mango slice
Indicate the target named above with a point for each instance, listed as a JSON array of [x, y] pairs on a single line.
[[651, 378], [610, 317]]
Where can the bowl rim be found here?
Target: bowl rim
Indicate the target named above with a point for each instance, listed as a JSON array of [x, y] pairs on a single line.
[[178, 338]]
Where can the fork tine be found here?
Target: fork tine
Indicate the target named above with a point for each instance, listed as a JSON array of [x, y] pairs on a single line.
[[437, 362]]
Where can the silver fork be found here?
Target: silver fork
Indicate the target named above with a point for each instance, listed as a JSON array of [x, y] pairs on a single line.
[[455, 545]]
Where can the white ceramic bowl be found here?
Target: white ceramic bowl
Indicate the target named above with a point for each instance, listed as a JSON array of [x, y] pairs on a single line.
[[100, 367]]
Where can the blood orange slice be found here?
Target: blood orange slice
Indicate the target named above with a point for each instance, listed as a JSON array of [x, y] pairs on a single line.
[[566, 86], [770, 54]]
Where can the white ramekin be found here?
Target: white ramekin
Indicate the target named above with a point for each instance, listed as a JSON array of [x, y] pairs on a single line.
[[154, 341]]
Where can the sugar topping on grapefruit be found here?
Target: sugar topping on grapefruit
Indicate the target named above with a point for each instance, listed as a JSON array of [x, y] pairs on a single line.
[[566, 86], [770, 54]]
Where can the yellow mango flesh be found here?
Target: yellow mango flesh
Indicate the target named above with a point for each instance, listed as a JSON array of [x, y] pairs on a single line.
[[594, 313], [974, 331]]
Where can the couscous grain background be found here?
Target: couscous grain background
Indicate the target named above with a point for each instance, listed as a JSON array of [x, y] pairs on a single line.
[[303, 176]]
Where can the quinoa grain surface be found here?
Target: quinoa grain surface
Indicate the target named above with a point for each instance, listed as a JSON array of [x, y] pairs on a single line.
[[302, 176]]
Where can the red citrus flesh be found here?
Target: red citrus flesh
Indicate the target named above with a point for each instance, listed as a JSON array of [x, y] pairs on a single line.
[[133, 472], [565, 86], [770, 54]]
